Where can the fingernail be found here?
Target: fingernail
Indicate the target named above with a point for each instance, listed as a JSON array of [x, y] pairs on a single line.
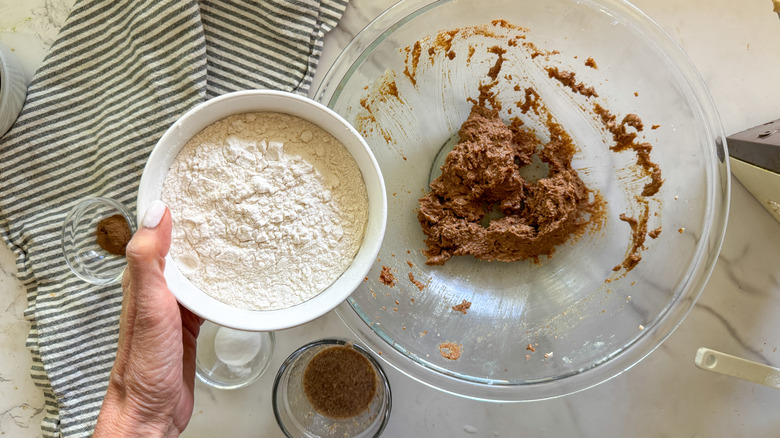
[[154, 214]]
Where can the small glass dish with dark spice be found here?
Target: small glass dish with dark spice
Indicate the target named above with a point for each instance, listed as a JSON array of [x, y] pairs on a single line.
[[94, 236], [331, 387]]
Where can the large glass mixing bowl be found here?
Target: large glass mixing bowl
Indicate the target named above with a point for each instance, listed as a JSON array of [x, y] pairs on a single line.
[[533, 330]]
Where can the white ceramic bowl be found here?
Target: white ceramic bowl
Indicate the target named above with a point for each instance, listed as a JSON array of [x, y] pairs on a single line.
[[195, 120]]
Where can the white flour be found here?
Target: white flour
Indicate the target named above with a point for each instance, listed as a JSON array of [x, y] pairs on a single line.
[[268, 209]]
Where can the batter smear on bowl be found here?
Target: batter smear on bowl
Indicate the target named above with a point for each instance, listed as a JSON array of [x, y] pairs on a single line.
[[483, 204]]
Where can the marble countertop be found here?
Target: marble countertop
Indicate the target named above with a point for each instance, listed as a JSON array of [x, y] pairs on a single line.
[[734, 46]]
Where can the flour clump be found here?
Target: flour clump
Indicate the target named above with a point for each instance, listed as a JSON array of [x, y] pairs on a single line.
[[269, 210]]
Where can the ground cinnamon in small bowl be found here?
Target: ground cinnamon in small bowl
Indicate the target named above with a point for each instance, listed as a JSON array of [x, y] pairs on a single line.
[[339, 382], [113, 234]]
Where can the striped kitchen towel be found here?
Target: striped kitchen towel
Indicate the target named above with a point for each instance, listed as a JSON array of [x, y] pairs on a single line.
[[119, 73]]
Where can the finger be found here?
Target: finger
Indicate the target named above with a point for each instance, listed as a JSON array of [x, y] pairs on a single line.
[[153, 239], [146, 253], [190, 321], [190, 330], [146, 294]]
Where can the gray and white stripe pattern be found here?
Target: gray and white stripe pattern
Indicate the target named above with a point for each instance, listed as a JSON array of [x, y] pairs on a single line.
[[118, 75]]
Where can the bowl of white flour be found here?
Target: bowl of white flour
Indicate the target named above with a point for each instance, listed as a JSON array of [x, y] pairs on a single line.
[[278, 205]]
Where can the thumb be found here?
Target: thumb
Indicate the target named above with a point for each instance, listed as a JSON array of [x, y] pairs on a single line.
[[151, 242]]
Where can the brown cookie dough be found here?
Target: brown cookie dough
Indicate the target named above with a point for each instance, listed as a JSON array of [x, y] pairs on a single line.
[[481, 177]]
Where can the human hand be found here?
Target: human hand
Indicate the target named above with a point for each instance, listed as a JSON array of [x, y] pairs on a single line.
[[150, 391]]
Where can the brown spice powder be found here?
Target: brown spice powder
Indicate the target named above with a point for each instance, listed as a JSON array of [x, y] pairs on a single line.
[[339, 382], [113, 234]]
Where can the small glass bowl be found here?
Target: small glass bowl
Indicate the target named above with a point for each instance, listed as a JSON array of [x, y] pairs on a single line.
[[231, 359], [297, 417], [83, 255]]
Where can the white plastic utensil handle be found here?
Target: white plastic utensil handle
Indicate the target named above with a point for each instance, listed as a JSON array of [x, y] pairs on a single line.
[[738, 367]]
